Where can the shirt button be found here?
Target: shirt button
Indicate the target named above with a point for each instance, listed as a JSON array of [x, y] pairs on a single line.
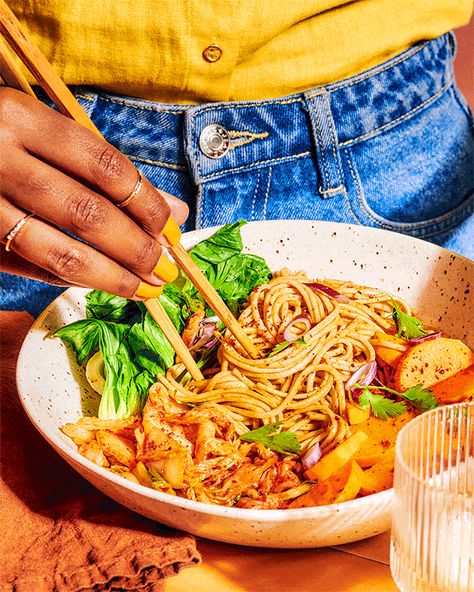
[[212, 53], [214, 141]]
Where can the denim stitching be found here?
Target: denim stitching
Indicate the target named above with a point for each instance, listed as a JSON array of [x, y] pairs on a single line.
[[194, 151], [245, 138], [254, 104], [253, 165], [396, 121], [334, 139], [85, 97], [125, 103], [200, 197], [252, 214], [444, 221], [245, 133], [169, 165], [333, 191], [254, 199], [357, 185], [320, 134], [265, 202]]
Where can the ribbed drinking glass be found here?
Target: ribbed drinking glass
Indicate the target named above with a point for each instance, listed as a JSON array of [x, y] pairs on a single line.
[[432, 543]]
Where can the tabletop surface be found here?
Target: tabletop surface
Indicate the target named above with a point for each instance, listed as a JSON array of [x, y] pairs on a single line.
[[362, 566]]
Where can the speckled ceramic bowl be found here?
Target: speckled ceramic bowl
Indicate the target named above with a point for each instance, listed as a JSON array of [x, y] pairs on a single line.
[[436, 282]]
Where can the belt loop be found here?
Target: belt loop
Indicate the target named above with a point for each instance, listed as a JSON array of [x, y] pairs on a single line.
[[325, 139]]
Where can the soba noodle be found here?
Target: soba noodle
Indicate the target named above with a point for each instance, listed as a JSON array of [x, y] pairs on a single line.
[[301, 386]]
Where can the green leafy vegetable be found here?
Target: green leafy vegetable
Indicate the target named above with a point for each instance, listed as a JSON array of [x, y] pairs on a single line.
[[134, 348], [420, 397], [284, 442], [283, 345], [408, 326], [126, 383], [232, 273], [107, 307]]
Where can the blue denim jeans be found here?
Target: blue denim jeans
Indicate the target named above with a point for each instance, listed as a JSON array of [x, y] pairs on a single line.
[[390, 148]]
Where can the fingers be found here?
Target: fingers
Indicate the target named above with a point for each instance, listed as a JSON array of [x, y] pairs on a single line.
[[81, 154], [68, 259], [55, 197], [16, 265]]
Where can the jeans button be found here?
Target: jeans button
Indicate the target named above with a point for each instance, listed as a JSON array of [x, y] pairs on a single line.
[[214, 141]]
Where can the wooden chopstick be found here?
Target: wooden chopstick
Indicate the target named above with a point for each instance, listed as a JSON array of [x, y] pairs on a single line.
[[14, 77], [155, 308], [207, 291], [61, 96], [10, 71], [41, 69]]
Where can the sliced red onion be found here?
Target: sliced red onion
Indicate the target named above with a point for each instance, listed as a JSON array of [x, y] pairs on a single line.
[[211, 343], [329, 292], [302, 318], [423, 338], [363, 375], [204, 335], [311, 456]]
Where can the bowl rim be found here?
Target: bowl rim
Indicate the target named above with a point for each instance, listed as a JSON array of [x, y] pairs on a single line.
[[246, 514]]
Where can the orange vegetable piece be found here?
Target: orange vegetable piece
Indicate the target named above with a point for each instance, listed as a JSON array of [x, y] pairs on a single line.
[[430, 362], [343, 485], [381, 436], [387, 354], [378, 478], [457, 388], [336, 458], [356, 414]]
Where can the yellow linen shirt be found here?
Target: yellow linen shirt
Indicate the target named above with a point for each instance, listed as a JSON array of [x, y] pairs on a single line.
[[191, 51]]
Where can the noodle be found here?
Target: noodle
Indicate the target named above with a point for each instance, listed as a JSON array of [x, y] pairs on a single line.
[[301, 386], [189, 442]]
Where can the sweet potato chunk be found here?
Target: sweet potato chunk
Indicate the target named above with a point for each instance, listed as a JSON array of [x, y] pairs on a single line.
[[343, 485], [356, 414], [381, 436], [336, 458], [389, 355], [430, 362], [457, 388], [378, 478]]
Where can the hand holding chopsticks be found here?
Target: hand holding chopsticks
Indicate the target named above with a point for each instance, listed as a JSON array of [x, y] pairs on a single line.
[[61, 96]]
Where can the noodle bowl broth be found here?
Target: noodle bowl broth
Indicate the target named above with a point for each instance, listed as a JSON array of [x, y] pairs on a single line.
[[296, 383]]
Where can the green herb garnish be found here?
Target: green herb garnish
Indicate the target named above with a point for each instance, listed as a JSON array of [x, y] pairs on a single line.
[[284, 442], [381, 406], [408, 326], [421, 398]]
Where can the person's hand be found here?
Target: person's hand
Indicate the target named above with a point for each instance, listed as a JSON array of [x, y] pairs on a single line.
[[73, 181]]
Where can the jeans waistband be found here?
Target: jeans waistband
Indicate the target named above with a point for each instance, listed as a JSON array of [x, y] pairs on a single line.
[[269, 131]]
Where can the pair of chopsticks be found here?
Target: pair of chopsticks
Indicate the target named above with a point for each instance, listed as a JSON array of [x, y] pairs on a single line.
[[65, 101]]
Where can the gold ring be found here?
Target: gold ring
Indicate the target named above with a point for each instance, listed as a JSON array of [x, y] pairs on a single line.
[[135, 190], [15, 230]]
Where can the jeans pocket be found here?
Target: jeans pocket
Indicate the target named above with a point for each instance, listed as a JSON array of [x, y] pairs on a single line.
[[417, 176]]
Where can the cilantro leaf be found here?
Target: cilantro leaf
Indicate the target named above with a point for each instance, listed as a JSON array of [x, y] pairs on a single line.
[[421, 398], [284, 442], [381, 406], [407, 325], [283, 345]]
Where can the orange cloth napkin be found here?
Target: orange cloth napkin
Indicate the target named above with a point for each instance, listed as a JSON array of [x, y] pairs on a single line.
[[59, 533]]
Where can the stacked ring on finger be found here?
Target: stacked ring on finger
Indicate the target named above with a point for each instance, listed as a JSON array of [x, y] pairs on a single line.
[[15, 230]]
